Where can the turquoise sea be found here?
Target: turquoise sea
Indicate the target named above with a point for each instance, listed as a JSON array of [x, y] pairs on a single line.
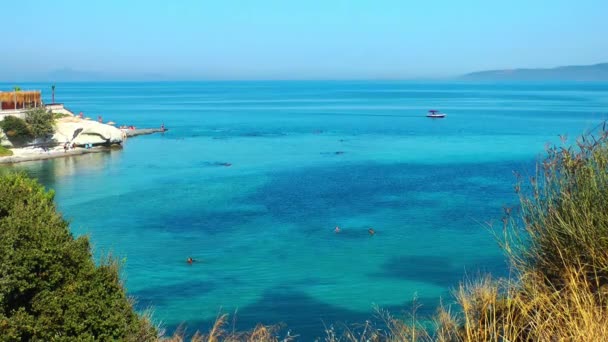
[[302, 158]]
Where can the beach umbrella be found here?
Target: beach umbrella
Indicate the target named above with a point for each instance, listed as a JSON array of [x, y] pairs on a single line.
[[111, 123]]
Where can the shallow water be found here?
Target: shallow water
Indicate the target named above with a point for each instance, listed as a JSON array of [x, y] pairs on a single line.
[[305, 157]]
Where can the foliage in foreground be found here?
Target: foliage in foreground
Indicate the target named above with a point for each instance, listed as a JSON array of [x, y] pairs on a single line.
[[261, 333], [50, 288]]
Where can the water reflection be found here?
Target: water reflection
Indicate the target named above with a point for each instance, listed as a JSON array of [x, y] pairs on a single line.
[[49, 171]]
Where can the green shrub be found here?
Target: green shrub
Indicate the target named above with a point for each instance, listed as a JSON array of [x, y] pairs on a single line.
[[15, 127], [40, 122], [50, 288], [60, 115], [5, 152]]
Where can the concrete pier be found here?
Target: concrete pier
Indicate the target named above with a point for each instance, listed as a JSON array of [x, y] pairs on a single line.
[[143, 131]]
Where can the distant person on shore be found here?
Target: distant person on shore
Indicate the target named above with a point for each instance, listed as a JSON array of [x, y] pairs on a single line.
[[337, 229], [371, 231]]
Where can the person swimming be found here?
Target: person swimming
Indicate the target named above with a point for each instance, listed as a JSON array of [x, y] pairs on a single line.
[[337, 230], [190, 260], [371, 231]]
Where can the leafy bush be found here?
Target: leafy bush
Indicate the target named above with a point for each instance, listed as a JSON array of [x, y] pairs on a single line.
[[15, 127], [50, 288], [4, 152], [40, 122], [60, 115]]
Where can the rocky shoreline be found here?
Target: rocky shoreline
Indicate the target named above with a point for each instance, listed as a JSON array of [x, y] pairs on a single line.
[[80, 137], [144, 131], [39, 154]]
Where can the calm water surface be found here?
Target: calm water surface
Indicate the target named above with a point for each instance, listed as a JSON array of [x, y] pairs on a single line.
[[305, 157]]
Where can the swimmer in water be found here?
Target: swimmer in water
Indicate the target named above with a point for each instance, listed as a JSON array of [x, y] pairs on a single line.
[[371, 231], [190, 260], [337, 230]]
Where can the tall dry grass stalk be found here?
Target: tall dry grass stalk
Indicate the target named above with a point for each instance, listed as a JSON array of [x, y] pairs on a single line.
[[565, 213], [531, 310], [385, 327], [261, 333]]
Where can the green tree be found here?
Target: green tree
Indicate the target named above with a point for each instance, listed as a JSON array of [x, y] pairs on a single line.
[[50, 287], [40, 122], [15, 127]]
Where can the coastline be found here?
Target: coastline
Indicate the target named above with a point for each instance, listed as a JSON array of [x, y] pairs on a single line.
[[143, 131], [38, 154], [27, 154]]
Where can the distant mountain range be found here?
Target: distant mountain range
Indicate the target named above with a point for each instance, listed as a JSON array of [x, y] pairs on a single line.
[[72, 75], [596, 72], [68, 74]]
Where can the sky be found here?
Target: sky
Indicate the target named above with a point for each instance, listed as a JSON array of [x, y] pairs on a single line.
[[295, 39]]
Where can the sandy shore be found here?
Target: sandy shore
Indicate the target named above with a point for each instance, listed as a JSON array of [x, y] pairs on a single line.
[[37, 153]]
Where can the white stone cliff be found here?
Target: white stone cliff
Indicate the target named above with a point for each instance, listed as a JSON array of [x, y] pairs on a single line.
[[82, 132]]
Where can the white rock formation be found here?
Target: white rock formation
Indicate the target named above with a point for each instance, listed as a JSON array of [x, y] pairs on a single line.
[[82, 132]]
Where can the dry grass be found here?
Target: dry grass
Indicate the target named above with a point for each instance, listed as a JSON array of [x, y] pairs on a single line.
[[261, 333], [536, 311], [385, 327]]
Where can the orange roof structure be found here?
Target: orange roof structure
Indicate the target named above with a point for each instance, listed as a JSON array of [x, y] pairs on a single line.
[[20, 99]]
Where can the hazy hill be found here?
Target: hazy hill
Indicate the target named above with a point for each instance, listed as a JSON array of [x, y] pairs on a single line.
[[596, 72], [71, 75]]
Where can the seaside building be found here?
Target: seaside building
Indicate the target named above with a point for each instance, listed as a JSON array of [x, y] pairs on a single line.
[[16, 103], [20, 100]]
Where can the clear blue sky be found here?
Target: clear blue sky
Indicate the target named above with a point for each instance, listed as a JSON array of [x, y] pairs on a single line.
[[298, 39]]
